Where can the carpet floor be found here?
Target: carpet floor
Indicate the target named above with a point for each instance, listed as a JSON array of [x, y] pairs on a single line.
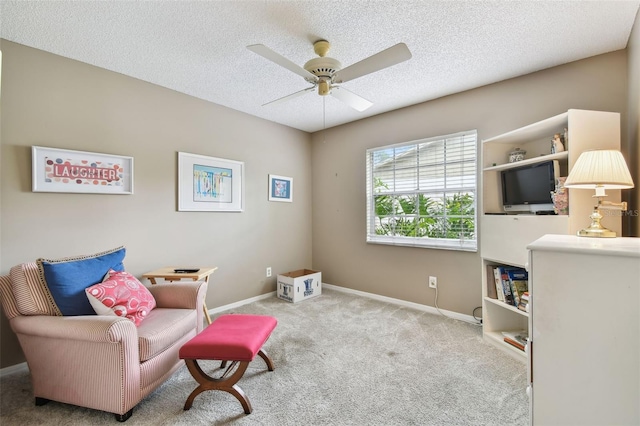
[[340, 359]]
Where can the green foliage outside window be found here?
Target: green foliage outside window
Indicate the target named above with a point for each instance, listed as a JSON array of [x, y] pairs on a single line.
[[417, 215]]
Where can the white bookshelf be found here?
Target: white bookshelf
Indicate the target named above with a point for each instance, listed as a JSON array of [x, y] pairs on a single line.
[[564, 155], [504, 238]]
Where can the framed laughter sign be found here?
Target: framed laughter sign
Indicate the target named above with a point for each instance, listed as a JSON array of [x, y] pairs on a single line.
[[63, 170]]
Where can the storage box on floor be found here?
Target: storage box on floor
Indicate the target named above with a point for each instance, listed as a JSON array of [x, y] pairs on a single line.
[[299, 285]]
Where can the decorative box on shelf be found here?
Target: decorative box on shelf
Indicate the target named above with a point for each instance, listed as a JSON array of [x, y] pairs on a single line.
[[299, 285]]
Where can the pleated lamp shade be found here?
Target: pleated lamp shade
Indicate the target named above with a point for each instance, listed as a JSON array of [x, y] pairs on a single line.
[[600, 169]]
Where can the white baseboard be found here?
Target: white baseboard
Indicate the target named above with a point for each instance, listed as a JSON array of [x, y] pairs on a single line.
[[14, 369], [418, 306], [241, 302]]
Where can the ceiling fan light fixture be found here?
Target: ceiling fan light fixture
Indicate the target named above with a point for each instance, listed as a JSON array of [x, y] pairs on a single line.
[[324, 87]]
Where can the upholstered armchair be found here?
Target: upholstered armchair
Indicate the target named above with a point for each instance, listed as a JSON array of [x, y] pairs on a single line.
[[99, 361]]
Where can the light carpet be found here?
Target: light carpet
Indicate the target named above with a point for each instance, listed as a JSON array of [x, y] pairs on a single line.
[[340, 359]]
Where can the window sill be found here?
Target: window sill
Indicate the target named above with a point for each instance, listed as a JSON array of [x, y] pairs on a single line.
[[439, 244]]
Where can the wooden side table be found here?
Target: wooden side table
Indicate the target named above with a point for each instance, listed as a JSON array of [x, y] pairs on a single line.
[[169, 274]]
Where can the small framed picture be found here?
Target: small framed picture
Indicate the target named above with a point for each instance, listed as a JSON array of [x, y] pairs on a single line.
[[64, 170], [280, 188], [209, 184]]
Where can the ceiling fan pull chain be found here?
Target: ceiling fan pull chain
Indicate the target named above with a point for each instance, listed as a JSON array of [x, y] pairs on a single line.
[[324, 119]]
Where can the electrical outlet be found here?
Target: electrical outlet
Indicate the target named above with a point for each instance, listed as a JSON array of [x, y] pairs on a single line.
[[433, 282], [268, 271]]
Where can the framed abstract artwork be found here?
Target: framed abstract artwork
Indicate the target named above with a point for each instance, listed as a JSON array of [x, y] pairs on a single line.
[[209, 184], [64, 170], [280, 188]]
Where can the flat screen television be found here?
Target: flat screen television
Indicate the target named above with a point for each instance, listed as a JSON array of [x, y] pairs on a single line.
[[528, 188]]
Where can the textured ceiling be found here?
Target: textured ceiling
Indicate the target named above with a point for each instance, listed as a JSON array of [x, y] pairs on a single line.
[[199, 47]]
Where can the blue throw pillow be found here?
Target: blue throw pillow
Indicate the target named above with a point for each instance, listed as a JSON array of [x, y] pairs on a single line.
[[67, 278]]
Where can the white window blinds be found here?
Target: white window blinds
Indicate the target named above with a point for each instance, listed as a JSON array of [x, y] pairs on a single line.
[[423, 193]]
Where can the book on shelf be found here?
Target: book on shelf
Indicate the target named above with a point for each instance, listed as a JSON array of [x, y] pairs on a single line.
[[502, 281], [497, 279], [519, 283], [491, 285], [517, 338], [514, 343], [524, 302], [511, 282]]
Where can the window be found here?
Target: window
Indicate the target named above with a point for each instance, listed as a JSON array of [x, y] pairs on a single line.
[[423, 193]]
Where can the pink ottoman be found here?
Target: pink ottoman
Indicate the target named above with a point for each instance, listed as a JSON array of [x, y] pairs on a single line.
[[234, 337]]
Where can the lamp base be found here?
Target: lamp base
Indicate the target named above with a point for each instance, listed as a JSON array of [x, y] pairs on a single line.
[[596, 230], [597, 233]]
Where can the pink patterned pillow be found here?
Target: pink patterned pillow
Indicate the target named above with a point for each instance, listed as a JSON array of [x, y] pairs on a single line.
[[121, 294]]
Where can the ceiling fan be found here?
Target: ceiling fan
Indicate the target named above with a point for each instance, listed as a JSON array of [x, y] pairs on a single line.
[[327, 73]]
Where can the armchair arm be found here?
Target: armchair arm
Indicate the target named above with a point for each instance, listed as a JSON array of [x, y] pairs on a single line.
[[93, 328], [179, 294], [90, 361]]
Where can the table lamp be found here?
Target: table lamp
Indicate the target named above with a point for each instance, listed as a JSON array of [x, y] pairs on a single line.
[[600, 170]]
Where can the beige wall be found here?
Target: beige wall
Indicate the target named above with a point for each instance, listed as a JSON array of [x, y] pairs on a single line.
[[633, 147], [339, 248], [51, 101]]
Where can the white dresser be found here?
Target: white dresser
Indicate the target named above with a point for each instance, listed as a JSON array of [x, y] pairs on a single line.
[[584, 325]]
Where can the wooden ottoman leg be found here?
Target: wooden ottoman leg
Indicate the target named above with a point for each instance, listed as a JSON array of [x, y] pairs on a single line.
[[266, 359], [227, 384]]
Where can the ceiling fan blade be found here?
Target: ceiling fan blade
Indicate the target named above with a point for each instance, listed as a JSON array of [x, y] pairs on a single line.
[[291, 96], [277, 58], [388, 57], [354, 101]]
